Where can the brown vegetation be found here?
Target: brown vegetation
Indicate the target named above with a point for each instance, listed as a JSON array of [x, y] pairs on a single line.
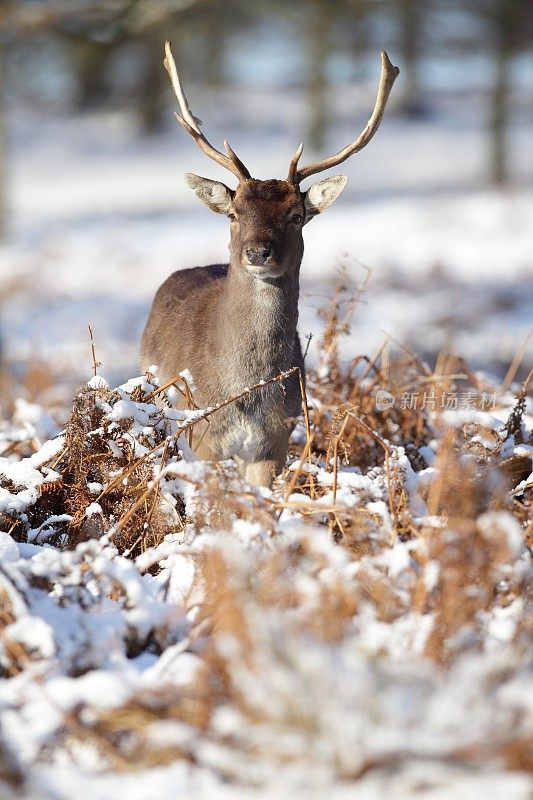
[[252, 615]]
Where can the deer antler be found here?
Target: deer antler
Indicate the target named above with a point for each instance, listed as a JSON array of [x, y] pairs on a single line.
[[192, 124], [389, 73]]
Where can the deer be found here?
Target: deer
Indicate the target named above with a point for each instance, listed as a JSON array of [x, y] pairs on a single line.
[[234, 325]]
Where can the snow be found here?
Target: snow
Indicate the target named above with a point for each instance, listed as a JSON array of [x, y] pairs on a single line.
[[362, 710], [34, 419], [92, 509], [101, 634], [8, 548], [450, 259], [35, 635], [500, 524], [21, 474], [97, 382]]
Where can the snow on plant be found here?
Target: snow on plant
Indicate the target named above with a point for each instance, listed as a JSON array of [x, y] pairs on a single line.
[[367, 621]]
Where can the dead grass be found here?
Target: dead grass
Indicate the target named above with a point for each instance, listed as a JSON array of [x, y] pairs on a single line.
[[471, 559]]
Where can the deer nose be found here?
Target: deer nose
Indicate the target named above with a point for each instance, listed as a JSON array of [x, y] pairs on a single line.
[[258, 254]]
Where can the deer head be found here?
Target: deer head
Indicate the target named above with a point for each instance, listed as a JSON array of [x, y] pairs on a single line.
[[267, 217]]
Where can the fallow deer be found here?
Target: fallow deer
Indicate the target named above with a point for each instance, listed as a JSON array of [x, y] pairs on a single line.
[[234, 325]]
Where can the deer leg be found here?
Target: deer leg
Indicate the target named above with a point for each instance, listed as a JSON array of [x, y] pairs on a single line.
[[260, 473], [263, 472]]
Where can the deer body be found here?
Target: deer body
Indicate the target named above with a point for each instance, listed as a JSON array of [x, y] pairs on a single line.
[[234, 325], [232, 331]]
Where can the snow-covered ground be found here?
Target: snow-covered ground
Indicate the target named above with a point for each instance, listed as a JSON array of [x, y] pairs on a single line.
[[339, 636], [256, 656], [100, 216]]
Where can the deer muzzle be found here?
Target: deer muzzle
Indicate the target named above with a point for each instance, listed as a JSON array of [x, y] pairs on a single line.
[[259, 254]]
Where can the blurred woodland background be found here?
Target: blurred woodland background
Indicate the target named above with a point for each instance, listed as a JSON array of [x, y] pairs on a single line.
[[76, 56], [91, 204]]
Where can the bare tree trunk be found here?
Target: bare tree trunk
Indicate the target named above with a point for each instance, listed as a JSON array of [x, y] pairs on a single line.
[[318, 50], [498, 118], [411, 41], [90, 59], [152, 85], [3, 146], [507, 20]]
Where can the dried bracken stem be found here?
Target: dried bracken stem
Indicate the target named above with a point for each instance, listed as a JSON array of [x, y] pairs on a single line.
[[256, 387], [385, 445], [306, 454], [336, 440], [174, 382], [305, 409], [515, 363], [387, 450], [96, 364]]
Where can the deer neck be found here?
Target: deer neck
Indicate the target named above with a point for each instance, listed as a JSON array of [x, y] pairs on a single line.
[[260, 319]]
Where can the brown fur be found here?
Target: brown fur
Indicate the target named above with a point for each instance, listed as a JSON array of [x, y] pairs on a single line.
[[232, 329]]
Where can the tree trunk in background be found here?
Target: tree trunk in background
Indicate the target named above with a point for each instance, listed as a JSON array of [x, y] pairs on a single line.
[[91, 59], [410, 41], [506, 22], [499, 171], [3, 146], [152, 86], [317, 46]]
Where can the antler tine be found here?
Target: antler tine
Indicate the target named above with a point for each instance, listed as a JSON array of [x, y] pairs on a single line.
[[389, 73], [293, 166], [170, 66], [235, 158], [192, 124]]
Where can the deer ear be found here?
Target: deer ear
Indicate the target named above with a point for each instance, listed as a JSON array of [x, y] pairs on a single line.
[[321, 195], [214, 194]]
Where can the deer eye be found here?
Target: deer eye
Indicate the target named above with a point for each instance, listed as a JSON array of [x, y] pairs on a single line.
[[232, 216], [296, 218]]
